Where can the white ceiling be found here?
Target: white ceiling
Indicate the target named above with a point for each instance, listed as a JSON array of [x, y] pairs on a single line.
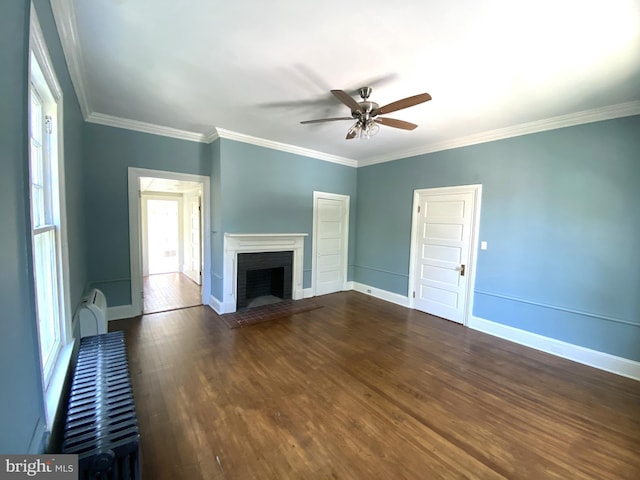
[[253, 69]]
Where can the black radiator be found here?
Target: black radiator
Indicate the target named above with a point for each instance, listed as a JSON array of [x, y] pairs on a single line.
[[101, 425]]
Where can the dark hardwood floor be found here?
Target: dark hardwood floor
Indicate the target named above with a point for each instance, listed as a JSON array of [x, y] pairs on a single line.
[[170, 291], [363, 389]]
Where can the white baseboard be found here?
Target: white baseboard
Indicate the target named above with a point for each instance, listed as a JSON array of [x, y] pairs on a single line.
[[216, 305], [396, 298], [593, 358], [121, 311]]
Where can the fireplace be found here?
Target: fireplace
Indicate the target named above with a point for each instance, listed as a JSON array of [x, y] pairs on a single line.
[[263, 277], [236, 245]]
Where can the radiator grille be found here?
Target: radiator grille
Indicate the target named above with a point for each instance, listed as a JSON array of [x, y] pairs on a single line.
[[101, 425]]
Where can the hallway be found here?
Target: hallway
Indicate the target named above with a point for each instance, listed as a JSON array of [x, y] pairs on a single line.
[[170, 291]]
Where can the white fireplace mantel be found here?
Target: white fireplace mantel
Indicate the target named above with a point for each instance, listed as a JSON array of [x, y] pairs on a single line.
[[235, 243]]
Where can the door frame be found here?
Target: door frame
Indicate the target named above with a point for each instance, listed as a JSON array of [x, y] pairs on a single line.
[[187, 232], [135, 247], [314, 241], [476, 190]]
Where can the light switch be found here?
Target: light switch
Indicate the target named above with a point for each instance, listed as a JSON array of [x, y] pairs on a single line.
[[483, 245]]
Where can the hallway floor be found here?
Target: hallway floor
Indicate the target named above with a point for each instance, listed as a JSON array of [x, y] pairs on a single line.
[[170, 291]]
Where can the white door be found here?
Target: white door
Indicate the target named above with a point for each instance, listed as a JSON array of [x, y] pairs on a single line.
[[330, 242], [441, 251], [194, 245]]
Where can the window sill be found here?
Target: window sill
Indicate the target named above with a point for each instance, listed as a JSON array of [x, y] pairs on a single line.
[[53, 394]]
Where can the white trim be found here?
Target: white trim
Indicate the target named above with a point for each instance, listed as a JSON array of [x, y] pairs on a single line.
[[476, 191], [593, 358], [235, 243], [39, 48], [314, 242], [121, 311], [52, 387], [285, 147], [308, 293], [579, 118], [209, 137], [216, 305], [53, 395], [127, 124], [396, 298], [65, 18], [134, 175]]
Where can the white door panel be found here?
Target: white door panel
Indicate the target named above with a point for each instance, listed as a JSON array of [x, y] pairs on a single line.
[[329, 245], [331, 220], [442, 247], [329, 261]]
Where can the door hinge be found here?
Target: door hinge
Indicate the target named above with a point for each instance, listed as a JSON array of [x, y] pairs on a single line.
[[48, 124], [418, 208], [414, 294]]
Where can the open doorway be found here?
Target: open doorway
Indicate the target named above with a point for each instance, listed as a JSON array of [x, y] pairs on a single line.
[[171, 244]]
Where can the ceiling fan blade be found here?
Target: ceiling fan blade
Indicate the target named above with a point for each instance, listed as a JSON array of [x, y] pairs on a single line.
[[404, 103], [327, 119], [393, 122], [351, 134], [347, 100]]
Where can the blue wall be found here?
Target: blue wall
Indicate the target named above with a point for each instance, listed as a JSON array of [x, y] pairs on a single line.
[[253, 189], [559, 213], [270, 191], [21, 399], [108, 154]]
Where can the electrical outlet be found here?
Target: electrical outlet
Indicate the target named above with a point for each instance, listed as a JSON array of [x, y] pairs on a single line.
[[369, 291]]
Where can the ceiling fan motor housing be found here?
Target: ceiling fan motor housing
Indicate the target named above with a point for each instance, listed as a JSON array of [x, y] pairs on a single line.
[[366, 107]]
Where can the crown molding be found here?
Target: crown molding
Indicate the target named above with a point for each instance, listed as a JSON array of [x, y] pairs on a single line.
[[579, 118], [144, 127], [285, 147], [216, 133], [211, 137], [65, 17]]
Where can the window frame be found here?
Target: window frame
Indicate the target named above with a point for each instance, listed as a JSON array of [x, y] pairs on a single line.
[[42, 77]]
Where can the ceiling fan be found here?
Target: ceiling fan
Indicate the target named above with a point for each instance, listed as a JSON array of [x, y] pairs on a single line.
[[366, 113]]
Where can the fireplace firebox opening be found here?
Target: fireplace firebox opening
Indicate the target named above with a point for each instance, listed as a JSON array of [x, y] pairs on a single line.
[[263, 277]]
